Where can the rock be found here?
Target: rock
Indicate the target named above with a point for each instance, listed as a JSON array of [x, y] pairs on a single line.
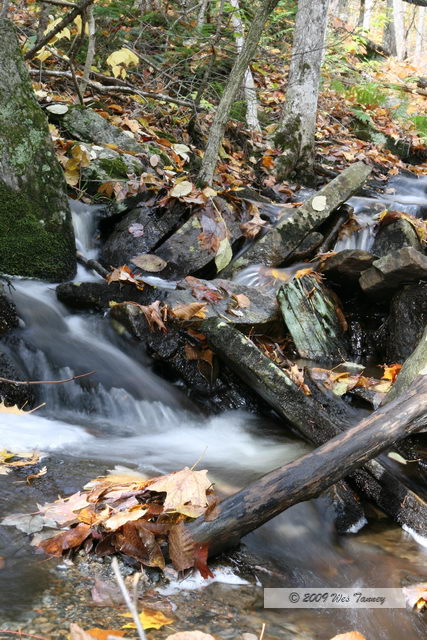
[[14, 394], [96, 296], [395, 236], [88, 126], [389, 273], [346, 266], [157, 222], [408, 317], [107, 165], [414, 366], [36, 235], [8, 316]]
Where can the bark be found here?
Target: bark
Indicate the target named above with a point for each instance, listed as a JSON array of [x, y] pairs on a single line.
[[202, 13], [234, 83], [308, 476], [367, 14], [414, 366], [276, 246], [361, 13], [310, 312], [420, 33], [389, 37], [248, 82], [318, 417], [298, 123], [399, 28], [90, 55]]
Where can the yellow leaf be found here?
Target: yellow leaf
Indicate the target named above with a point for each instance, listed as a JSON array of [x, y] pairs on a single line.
[[78, 23], [14, 409], [43, 54], [150, 619], [181, 189], [183, 489]]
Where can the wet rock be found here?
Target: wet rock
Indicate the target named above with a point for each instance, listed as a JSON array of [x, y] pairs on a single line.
[[88, 126], [394, 236], [407, 320], [96, 296], [393, 271], [308, 246], [157, 222], [14, 394], [36, 235], [8, 316], [346, 266]]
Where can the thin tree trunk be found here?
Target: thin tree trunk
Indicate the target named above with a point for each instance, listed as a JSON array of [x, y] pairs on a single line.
[[361, 13], [308, 476], [248, 82], [201, 18], [43, 21], [233, 85], [90, 48], [399, 29], [389, 37], [298, 124], [420, 33], [367, 14]]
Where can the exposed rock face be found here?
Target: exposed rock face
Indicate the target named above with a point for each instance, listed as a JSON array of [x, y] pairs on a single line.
[[346, 266], [14, 394], [108, 165], [36, 236], [393, 271], [96, 296], [8, 316], [408, 318], [395, 236]]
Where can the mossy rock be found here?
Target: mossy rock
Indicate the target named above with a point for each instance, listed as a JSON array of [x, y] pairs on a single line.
[[36, 235], [109, 166]]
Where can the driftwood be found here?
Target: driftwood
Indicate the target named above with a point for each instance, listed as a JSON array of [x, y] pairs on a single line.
[[314, 319], [277, 245], [92, 264], [308, 476], [318, 417]]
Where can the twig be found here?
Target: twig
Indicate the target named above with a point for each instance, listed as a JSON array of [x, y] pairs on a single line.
[[64, 22], [68, 62], [128, 600], [122, 89], [90, 54], [92, 264], [21, 633], [27, 382], [59, 3]]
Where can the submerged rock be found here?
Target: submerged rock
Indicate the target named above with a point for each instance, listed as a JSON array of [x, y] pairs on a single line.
[[346, 266], [393, 271], [395, 236], [36, 236], [14, 394], [408, 317], [8, 316]]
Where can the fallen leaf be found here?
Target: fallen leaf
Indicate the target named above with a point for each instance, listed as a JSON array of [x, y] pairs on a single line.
[[181, 547], [104, 634], [14, 409], [185, 491], [242, 301], [201, 561], [251, 228], [25, 522], [189, 311], [120, 518], [149, 262], [152, 313], [391, 371], [150, 619], [34, 476], [136, 230], [351, 635], [182, 189], [65, 540], [224, 254], [190, 635]]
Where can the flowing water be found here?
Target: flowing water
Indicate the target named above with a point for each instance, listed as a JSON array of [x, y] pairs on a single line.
[[125, 414]]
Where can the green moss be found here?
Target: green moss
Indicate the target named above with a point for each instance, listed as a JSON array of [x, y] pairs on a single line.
[[115, 168]]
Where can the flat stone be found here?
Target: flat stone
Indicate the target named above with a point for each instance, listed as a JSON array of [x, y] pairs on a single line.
[[391, 272], [96, 296], [408, 317], [346, 266], [395, 236]]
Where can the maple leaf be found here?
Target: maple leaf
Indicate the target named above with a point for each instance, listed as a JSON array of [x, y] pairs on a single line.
[[122, 274], [251, 228], [120, 518], [391, 371], [189, 311], [242, 301], [200, 291], [201, 561], [150, 619], [185, 491], [153, 314]]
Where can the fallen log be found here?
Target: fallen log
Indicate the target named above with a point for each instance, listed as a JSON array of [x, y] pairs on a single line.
[[318, 417], [308, 476], [314, 319], [276, 245]]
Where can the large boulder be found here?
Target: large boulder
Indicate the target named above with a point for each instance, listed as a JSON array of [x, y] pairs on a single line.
[[36, 235], [391, 272], [408, 317], [346, 266], [395, 236]]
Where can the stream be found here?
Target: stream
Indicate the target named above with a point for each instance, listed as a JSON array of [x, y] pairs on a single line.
[[124, 414]]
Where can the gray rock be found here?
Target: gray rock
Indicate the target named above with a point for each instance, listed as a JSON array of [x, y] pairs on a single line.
[[14, 394], [96, 296], [395, 236], [346, 266], [408, 317], [36, 235], [8, 316], [391, 272], [88, 126], [107, 165], [157, 223]]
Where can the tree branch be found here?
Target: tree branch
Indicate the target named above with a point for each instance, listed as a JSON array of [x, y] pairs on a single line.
[[27, 382]]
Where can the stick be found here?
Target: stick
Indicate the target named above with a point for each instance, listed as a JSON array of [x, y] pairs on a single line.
[[64, 22], [28, 382], [128, 600], [60, 3], [92, 264]]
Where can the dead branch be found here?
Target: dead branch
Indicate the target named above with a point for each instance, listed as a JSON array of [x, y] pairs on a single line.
[[28, 382]]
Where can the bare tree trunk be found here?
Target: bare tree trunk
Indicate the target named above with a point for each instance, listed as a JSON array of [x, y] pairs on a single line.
[[249, 83], [202, 13], [43, 21], [337, 7], [361, 13], [367, 14], [90, 48], [399, 28], [298, 124], [420, 33], [234, 83]]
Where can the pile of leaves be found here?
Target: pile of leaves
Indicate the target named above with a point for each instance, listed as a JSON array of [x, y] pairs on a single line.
[[135, 516]]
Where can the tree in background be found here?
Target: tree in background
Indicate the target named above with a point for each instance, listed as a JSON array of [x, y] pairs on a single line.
[[298, 124]]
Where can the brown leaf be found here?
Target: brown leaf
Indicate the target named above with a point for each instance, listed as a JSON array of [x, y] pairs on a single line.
[[198, 353], [66, 540], [120, 518], [185, 491], [140, 544], [181, 547], [152, 313], [149, 262], [189, 311], [200, 291], [242, 301], [251, 228], [391, 371], [201, 561]]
